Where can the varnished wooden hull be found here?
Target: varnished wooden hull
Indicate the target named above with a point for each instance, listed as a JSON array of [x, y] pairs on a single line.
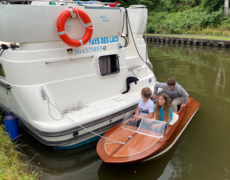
[[142, 148], [165, 150]]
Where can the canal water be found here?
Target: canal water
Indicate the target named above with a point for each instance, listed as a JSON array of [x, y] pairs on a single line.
[[203, 150]]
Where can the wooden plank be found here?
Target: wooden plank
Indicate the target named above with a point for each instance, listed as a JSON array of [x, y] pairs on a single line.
[[119, 135], [136, 145]]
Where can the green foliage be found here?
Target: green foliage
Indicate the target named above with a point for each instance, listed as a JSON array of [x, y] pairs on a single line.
[[127, 3], [192, 19], [124, 3], [185, 16], [212, 5], [11, 167], [197, 37], [169, 5], [150, 4]]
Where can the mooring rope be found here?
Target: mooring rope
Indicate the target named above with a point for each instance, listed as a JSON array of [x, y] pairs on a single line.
[[146, 62], [46, 97]]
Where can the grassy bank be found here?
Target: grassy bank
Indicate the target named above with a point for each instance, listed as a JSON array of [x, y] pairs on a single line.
[[193, 36], [195, 21], [11, 165]]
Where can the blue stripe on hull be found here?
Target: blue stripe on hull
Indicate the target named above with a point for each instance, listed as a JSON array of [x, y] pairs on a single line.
[[78, 144]]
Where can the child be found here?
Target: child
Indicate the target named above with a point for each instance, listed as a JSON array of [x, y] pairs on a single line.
[[163, 110], [145, 107]]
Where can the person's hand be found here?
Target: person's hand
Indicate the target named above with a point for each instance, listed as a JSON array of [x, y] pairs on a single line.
[[153, 126], [131, 120], [182, 105], [135, 118], [154, 97], [148, 121]]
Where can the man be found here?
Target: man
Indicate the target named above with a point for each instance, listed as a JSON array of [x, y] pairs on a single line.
[[177, 94]]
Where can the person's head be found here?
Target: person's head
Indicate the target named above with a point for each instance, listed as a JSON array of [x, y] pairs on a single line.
[[171, 83], [163, 101], [146, 93]]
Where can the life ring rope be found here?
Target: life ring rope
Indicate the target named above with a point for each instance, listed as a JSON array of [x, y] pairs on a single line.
[[86, 22], [86, 25]]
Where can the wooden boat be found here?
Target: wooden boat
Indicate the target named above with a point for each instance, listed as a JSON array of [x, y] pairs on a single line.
[[137, 146]]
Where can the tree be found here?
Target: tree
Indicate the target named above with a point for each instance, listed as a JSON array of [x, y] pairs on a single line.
[[226, 7], [125, 3]]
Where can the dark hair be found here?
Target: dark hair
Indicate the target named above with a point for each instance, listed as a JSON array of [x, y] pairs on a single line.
[[146, 92], [171, 82]]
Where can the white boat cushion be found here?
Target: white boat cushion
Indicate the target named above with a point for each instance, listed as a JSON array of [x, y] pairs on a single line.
[[174, 119]]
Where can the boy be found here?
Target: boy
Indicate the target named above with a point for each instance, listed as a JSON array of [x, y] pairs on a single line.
[[145, 107]]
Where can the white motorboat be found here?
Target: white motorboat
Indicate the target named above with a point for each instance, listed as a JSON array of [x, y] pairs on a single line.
[[65, 79]]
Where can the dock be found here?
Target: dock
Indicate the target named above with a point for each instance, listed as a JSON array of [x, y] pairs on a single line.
[[190, 40]]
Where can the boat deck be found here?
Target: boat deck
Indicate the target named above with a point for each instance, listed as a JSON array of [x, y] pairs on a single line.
[[93, 112]]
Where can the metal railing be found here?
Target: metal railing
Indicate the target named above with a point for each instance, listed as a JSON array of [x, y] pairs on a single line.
[[95, 2], [68, 60]]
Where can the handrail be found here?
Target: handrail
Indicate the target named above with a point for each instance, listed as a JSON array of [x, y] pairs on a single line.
[[96, 2], [5, 85], [68, 60]]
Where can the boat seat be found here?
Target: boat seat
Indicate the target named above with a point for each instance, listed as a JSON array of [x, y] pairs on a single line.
[[174, 119]]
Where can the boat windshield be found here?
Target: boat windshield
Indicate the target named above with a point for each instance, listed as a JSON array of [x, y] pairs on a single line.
[[148, 127]]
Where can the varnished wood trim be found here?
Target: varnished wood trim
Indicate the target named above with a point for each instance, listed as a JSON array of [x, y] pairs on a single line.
[[171, 145]]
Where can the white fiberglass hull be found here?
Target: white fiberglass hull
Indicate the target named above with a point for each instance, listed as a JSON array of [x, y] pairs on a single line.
[[71, 75]]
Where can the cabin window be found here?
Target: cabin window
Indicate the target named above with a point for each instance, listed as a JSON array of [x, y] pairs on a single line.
[[2, 73], [109, 65]]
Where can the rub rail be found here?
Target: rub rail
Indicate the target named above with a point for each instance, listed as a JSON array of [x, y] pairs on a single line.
[[68, 60]]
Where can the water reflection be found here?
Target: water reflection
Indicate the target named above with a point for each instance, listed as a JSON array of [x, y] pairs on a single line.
[[192, 66], [220, 73], [62, 165]]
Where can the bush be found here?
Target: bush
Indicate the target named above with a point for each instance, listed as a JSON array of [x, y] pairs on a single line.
[[191, 20], [11, 166]]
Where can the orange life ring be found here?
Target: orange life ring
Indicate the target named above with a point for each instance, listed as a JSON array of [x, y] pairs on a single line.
[[61, 27]]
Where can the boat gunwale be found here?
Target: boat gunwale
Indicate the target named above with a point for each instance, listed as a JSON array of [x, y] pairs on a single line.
[[171, 145]]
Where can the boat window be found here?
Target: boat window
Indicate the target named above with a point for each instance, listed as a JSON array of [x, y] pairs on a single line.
[[141, 126], [2, 72], [109, 65]]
